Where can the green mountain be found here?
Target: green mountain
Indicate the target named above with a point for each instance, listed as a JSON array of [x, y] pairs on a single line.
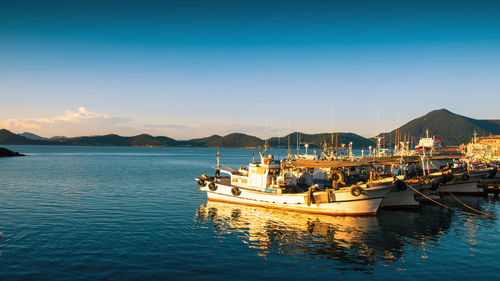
[[32, 136], [317, 140], [450, 128], [234, 140], [314, 140], [203, 141], [7, 137], [116, 140]]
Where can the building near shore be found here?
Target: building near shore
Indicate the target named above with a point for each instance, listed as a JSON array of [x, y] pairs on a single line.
[[485, 147]]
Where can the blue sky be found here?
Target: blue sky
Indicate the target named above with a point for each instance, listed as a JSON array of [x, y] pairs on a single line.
[[195, 68]]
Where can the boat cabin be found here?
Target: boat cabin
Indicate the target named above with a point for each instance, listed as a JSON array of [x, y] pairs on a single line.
[[257, 176]]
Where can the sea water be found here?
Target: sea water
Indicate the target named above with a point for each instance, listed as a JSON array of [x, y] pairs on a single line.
[[108, 213]]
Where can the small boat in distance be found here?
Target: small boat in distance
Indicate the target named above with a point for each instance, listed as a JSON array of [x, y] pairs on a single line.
[[287, 186]]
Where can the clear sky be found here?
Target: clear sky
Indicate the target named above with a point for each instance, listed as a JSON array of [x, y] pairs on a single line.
[[195, 68]]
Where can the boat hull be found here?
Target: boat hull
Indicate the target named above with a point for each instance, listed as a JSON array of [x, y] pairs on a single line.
[[342, 202], [400, 199], [462, 188]]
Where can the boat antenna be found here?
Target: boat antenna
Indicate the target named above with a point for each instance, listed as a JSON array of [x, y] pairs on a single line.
[[288, 138], [298, 141], [278, 142], [267, 138], [218, 157], [331, 111]]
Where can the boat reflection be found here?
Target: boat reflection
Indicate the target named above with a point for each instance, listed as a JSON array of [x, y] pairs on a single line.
[[355, 241]]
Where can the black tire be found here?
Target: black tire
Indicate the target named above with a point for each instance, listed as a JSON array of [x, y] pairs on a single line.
[[356, 191], [435, 186], [492, 174], [465, 177], [212, 186], [400, 185], [201, 183], [235, 191]]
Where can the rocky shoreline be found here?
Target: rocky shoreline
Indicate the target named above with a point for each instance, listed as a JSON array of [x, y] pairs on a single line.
[[4, 152]]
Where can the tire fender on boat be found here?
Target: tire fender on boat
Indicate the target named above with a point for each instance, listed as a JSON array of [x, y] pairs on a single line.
[[235, 191], [212, 186], [356, 191], [400, 185], [201, 183], [465, 177]]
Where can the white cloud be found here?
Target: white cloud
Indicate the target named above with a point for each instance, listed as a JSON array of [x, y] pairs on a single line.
[[83, 122], [81, 114], [68, 124]]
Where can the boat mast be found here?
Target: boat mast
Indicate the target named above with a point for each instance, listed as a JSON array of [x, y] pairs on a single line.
[[298, 142], [288, 139]]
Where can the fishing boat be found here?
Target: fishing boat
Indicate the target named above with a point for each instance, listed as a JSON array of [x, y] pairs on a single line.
[[466, 182], [289, 185]]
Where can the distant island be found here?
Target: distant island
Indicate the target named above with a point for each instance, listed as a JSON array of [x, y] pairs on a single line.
[[4, 152], [451, 128]]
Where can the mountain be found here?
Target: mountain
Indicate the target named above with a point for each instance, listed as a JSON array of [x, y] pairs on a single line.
[[58, 138], [450, 128], [7, 137], [317, 140], [203, 141], [314, 140], [236, 140], [32, 136], [231, 140], [116, 140]]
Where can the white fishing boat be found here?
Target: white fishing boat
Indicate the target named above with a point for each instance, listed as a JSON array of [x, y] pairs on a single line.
[[269, 184]]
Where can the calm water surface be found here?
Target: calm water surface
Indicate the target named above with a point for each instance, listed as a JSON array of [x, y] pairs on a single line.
[[106, 213]]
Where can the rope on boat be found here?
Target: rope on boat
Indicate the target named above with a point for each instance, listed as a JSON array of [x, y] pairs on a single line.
[[443, 205], [486, 214]]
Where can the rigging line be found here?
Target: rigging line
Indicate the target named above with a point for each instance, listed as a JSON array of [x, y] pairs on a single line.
[[440, 204], [486, 214]]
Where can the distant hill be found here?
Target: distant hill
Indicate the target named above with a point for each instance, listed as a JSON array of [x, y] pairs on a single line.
[[116, 140], [314, 140], [203, 141], [32, 136], [232, 140], [236, 140], [58, 138], [7, 137], [317, 140], [450, 128]]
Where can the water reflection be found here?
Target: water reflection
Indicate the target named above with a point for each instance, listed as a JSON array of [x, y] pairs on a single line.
[[355, 241]]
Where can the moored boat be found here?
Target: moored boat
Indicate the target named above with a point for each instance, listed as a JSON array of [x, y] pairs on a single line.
[[276, 184]]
